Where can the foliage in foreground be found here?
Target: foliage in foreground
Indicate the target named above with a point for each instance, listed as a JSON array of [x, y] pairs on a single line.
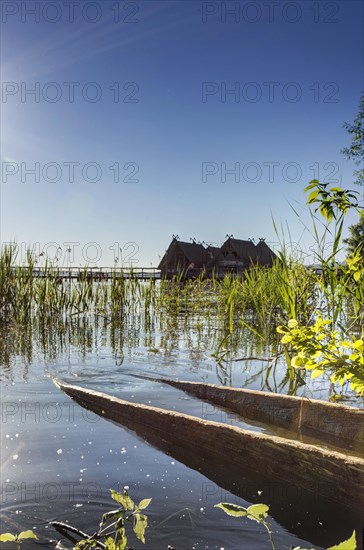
[[111, 534], [18, 539], [259, 513], [319, 349]]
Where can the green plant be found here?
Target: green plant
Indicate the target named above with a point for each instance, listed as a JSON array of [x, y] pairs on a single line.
[[333, 203], [111, 534], [259, 513], [255, 512], [319, 349], [24, 535], [356, 149]]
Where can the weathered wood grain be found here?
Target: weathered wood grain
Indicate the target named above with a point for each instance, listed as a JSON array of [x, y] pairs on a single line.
[[331, 423], [336, 475]]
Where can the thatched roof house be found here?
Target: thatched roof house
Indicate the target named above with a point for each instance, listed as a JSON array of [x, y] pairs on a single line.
[[236, 255], [185, 259], [265, 254]]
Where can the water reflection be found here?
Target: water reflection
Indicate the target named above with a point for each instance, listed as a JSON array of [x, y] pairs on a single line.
[[163, 339], [103, 351]]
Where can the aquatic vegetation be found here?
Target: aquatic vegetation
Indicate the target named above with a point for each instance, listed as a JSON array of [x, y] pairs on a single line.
[[24, 535], [111, 533], [59, 312], [259, 513], [319, 349]]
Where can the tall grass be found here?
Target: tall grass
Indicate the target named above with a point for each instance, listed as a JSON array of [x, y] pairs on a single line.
[[262, 299]]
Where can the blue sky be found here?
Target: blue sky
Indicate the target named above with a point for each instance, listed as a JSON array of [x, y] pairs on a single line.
[[297, 72]]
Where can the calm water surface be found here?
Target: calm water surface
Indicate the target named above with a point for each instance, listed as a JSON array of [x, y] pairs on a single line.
[[60, 461]]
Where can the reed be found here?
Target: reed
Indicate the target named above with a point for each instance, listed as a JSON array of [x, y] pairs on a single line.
[[262, 299]]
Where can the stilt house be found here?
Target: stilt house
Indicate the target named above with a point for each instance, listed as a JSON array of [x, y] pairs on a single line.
[[188, 260], [236, 255], [184, 259]]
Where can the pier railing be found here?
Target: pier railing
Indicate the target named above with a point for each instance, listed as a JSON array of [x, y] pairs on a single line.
[[94, 273]]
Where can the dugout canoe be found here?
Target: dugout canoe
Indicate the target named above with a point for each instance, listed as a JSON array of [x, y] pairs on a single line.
[[300, 418], [303, 483]]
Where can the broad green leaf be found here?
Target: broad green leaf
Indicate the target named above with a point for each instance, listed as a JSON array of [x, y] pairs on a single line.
[[297, 361], [7, 537], [232, 509], [312, 196], [123, 499], [144, 503], [257, 512], [27, 535], [349, 544], [313, 183], [120, 539], [140, 525], [110, 544], [357, 385], [315, 373]]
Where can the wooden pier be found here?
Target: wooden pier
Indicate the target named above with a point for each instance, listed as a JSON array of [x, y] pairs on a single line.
[[94, 273]]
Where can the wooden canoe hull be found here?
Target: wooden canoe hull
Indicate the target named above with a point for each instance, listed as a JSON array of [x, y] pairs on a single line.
[[334, 476], [330, 423]]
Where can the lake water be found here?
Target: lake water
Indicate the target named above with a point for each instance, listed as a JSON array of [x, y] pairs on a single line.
[[60, 461]]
